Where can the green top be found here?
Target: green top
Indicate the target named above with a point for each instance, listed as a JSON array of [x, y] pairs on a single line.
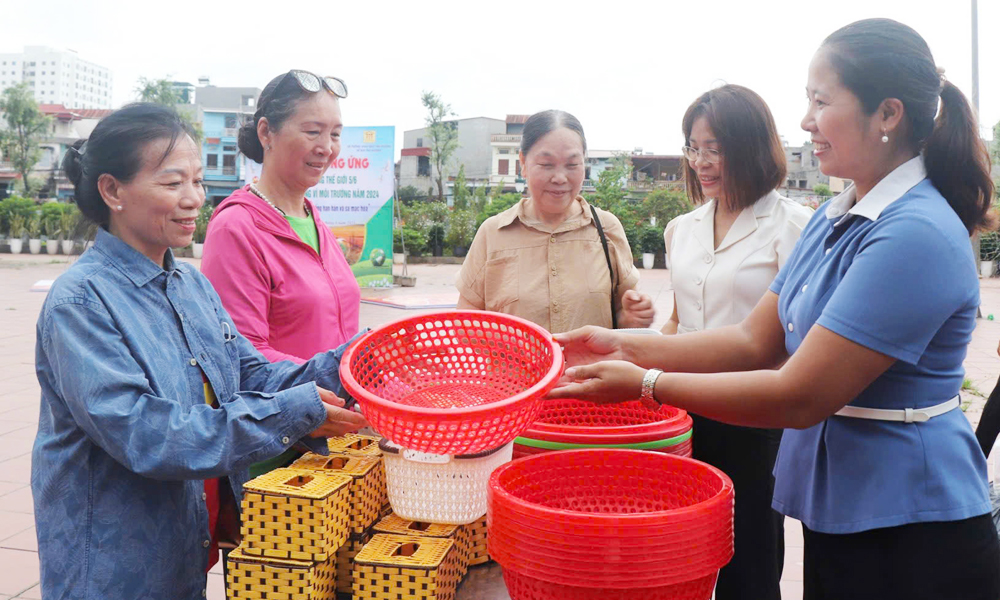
[[305, 227]]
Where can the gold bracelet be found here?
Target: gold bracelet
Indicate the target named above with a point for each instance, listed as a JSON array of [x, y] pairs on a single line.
[[648, 383]]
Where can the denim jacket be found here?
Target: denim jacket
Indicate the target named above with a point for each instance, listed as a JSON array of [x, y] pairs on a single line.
[[125, 438]]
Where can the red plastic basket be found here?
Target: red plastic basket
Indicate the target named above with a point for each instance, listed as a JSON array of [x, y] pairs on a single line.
[[610, 518], [456, 382], [625, 419], [525, 587], [524, 446]]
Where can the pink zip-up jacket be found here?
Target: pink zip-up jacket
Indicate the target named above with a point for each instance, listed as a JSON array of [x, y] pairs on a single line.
[[290, 303]]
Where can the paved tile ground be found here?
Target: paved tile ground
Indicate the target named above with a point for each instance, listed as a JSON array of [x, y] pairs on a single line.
[[19, 401]]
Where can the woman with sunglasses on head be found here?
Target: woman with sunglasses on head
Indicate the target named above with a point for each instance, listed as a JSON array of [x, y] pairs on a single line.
[[857, 347], [722, 257], [278, 269]]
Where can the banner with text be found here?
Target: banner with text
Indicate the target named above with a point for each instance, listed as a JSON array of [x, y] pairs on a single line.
[[354, 199]]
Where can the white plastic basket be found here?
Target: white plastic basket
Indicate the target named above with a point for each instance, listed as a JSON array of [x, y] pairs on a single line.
[[438, 488]]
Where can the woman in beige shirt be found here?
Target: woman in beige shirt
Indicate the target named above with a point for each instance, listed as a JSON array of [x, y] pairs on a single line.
[[722, 257], [543, 259]]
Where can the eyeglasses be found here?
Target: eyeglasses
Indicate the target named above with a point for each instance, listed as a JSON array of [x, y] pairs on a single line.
[[311, 82], [709, 155]]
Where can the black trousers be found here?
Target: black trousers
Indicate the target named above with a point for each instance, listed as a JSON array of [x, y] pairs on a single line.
[[989, 422], [957, 560], [747, 455]]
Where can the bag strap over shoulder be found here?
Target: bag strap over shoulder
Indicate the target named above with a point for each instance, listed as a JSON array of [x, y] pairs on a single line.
[[607, 257]]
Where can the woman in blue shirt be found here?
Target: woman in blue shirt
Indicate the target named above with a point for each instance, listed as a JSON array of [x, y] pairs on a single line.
[[858, 347], [148, 392]]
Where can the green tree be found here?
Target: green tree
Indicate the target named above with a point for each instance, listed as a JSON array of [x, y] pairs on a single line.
[[26, 127], [443, 135], [611, 185], [161, 91], [157, 91], [822, 189], [409, 194], [460, 190], [480, 198], [665, 205]]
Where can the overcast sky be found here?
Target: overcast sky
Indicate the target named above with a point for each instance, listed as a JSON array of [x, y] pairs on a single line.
[[627, 69]]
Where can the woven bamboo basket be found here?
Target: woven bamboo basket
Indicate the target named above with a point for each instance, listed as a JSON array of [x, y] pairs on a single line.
[[406, 567], [345, 560], [251, 577], [290, 513], [367, 490], [397, 525], [355, 443], [475, 539]]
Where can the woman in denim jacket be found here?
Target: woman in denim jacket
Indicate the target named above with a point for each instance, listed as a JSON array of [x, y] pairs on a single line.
[[153, 406]]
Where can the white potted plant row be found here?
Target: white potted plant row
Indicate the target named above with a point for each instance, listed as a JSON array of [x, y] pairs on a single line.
[[17, 231]]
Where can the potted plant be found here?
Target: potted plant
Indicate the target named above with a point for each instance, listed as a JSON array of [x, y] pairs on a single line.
[[989, 249], [52, 233], [35, 234], [461, 230], [67, 223], [200, 229], [17, 231], [651, 241]]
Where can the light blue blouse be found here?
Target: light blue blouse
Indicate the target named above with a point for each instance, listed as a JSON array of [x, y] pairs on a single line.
[[893, 273]]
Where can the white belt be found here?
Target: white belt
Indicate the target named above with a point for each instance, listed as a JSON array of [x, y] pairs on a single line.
[[905, 415]]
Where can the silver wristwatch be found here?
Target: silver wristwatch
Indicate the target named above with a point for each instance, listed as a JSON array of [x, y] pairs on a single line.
[[648, 383]]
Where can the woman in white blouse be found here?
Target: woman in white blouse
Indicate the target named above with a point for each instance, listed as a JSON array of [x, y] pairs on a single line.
[[722, 258]]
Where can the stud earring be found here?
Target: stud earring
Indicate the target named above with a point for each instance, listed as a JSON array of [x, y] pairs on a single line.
[[269, 147], [119, 208], [885, 137]]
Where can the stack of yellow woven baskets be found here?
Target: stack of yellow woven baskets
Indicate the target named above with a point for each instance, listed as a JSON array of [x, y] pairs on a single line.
[[323, 525]]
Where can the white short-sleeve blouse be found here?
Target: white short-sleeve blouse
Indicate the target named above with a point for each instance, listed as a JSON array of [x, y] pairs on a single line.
[[715, 287]]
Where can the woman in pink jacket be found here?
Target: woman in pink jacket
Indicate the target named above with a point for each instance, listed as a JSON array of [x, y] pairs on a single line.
[[278, 269]]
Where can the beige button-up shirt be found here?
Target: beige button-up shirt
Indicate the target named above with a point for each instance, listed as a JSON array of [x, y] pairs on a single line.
[[556, 277], [714, 287]]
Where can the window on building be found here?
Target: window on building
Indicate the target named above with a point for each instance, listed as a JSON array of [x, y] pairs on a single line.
[[503, 167], [803, 183], [791, 183], [229, 148], [423, 166], [230, 121], [517, 167], [212, 161], [504, 150], [248, 101], [420, 142]]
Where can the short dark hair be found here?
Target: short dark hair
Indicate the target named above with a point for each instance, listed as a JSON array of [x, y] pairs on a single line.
[[540, 124], [753, 157], [277, 102], [880, 58], [115, 147]]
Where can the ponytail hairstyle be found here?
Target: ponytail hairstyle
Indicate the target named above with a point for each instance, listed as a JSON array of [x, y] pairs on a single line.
[[115, 147], [278, 101], [881, 58]]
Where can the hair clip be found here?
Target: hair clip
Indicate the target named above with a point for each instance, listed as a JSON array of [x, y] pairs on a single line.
[[81, 150]]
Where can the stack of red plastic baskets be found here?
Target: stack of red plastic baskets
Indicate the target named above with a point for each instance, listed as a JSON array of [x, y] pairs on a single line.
[[449, 383], [617, 524], [572, 424]]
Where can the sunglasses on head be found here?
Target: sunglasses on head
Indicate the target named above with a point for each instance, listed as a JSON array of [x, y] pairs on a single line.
[[311, 82]]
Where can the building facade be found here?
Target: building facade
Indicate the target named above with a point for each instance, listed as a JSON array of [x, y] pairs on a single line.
[[221, 111], [804, 174], [58, 77], [474, 152], [68, 126]]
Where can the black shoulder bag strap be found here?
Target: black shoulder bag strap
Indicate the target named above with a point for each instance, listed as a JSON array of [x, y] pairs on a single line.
[[607, 257]]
